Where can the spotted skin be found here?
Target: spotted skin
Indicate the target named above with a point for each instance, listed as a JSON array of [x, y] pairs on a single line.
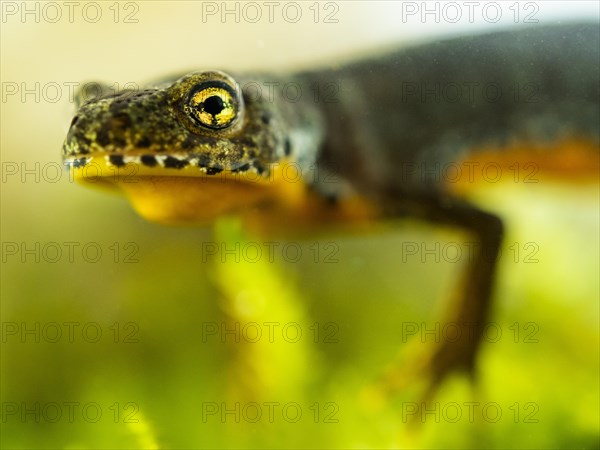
[[153, 128]]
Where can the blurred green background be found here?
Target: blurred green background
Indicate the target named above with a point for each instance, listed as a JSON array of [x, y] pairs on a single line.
[[159, 374]]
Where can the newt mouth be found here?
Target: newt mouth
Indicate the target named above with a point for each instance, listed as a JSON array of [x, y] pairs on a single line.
[[178, 190], [173, 164]]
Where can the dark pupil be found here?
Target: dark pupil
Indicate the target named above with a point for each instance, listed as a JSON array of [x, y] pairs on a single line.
[[213, 105]]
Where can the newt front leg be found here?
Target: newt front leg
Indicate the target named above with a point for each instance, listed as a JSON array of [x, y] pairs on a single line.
[[472, 308]]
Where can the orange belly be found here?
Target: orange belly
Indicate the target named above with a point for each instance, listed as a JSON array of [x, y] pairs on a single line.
[[570, 160]]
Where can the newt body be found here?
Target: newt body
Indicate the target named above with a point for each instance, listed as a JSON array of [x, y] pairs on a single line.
[[367, 139]]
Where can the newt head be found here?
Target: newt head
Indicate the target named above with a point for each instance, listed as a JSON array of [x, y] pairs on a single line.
[[184, 151]]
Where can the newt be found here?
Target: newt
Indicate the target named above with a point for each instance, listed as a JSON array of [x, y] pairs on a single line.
[[363, 141]]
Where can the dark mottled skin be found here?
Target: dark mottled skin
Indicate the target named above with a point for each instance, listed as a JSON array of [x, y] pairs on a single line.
[[372, 133]]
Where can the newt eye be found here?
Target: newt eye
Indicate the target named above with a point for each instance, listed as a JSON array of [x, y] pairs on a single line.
[[213, 104]]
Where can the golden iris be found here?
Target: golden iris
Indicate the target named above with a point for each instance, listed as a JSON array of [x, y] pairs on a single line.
[[214, 106]]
